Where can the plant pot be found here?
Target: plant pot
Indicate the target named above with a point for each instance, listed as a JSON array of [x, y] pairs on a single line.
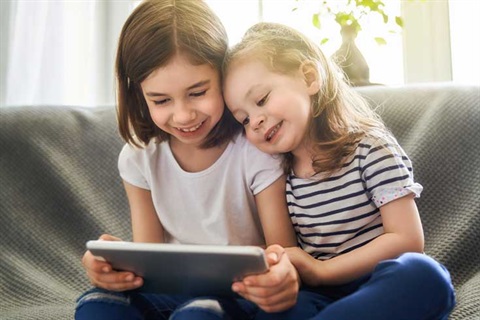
[[351, 60]]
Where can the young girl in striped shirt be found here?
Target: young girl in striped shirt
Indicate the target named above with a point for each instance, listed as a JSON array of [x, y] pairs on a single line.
[[350, 186]]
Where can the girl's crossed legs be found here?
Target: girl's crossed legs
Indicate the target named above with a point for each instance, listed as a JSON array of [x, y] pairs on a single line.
[[413, 286]]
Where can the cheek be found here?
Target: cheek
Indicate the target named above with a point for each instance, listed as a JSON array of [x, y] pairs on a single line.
[[302, 110], [253, 138], [215, 107], [159, 116]]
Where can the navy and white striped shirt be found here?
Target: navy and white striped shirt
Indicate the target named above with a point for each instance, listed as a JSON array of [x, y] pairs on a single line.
[[337, 214]]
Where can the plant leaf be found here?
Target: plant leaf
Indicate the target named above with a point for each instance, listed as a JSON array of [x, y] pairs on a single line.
[[399, 21], [316, 20], [380, 41], [385, 18]]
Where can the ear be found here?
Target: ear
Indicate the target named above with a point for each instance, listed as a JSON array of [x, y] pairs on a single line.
[[311, 76]]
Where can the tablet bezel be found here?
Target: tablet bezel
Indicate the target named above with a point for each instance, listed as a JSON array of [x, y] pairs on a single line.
[[182, 269]]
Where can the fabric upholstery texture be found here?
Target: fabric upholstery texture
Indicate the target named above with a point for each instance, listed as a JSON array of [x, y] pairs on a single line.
[[59, 187]]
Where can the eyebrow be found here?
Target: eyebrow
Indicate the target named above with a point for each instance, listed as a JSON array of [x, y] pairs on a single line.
[[247, 95], [193, 86], [255, 88]]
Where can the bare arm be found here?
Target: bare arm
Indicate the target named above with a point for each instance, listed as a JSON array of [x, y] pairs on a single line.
[[403, 233], [277, 289], [273, 212], [146, 226]]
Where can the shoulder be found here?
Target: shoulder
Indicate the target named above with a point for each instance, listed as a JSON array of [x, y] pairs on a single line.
[[374, 146], [252, 154], [383, 154], [140, 154], [143, 149]]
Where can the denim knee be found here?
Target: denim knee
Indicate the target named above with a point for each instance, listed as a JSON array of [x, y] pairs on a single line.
[[104, 296], [199, 309], [415, 268], [102, 304]]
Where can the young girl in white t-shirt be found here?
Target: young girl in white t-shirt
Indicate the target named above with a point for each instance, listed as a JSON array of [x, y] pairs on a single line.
[[190, 175]]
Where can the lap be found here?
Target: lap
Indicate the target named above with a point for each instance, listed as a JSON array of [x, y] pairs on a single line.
[[105, 304]]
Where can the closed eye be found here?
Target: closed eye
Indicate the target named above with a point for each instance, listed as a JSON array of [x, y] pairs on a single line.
[[160, 102], [262, 101], [198, 94]]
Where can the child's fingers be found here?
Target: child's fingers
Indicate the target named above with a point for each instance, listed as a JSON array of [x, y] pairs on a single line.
[[274, 253], [108, 237], [282, 271], [117, 281], [120, 286], [271, 299], [90, 262]]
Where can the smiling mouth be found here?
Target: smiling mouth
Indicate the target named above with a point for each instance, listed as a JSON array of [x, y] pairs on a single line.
[[191, 129], [270, 133]]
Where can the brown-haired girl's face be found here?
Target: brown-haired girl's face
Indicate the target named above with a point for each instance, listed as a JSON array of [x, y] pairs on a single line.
[[184, 100]]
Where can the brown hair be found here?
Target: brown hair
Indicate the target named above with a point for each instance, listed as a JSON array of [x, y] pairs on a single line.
[[340, 116], [155, 32]]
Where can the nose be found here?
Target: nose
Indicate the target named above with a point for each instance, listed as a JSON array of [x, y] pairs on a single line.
[[183, 113], [257, 121]]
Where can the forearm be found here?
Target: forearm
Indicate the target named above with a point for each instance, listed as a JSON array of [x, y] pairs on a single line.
[[402, 233], [349, 266]]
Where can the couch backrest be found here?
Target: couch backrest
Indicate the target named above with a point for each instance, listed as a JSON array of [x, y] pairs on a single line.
[[59, 188], [438, 125]]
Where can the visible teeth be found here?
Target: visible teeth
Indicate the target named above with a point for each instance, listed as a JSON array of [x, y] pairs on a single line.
[[270, 135], [191, 129]]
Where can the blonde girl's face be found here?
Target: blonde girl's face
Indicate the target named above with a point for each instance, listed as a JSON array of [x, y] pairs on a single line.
[[184, 100], [274, 108]]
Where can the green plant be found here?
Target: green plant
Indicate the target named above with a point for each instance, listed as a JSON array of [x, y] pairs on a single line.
[[349, 14]]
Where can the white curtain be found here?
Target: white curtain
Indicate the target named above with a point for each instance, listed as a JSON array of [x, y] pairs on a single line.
[[59, 52]]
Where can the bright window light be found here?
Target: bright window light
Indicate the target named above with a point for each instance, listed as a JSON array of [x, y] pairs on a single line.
[[464, 35], [385, 62]]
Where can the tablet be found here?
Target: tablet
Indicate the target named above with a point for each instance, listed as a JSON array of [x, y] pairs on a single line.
[[182, 269]]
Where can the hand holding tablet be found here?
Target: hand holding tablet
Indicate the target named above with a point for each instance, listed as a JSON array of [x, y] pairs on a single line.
[[182, 269]]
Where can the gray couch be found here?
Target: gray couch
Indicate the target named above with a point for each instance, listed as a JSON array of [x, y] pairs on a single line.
[[59, 187]]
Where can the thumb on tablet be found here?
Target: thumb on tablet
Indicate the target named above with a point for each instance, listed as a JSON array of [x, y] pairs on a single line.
[[274, 253]]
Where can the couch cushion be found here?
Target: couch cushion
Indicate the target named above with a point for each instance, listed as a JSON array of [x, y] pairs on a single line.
[[439, 127], [59, 188]]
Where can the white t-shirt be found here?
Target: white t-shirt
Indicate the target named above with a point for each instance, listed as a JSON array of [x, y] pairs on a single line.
[[214, 206]]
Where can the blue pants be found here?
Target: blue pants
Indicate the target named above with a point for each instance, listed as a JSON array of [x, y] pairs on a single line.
[[413, 286], [107, 305]]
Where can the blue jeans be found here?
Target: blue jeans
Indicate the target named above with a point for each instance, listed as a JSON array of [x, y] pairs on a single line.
[[413, 286], [107, 305]]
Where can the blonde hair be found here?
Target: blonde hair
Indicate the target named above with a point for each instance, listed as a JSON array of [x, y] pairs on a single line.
[[155, 32], [340, 116]]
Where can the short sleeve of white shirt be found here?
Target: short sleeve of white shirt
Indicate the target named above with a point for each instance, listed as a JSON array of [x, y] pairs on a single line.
[[131, 164]]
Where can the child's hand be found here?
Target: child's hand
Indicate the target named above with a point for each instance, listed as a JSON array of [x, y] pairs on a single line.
[[101, 274], [310, 269], [275, 290]]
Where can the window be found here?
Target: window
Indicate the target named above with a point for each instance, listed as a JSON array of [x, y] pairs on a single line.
[[464, 33], [62, 52], [438, 43], [385, 62]]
